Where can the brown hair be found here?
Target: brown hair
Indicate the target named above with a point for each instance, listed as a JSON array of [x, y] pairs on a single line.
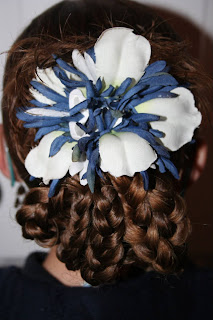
[[121, 225]]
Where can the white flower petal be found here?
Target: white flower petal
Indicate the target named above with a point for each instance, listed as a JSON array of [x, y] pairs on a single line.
[[48, 78], [179, 115], [40, 165], [47, 113], [85, 113], [76, 167], [72, 76], [125, 153], [81, 167], [39, 97], [91, 66], [121, 54], [84, 182], [81, 64], [76, 97], [75, 131], [46, 182], [119, 120]]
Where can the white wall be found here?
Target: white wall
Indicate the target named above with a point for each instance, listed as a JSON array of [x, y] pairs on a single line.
[[14, 16], [198, 11]]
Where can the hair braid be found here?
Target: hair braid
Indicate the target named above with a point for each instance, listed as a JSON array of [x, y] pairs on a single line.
[[156, 225], [75, 222], [105, 251], [119, 226], [36, 220]]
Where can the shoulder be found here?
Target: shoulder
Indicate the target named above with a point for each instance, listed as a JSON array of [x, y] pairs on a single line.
[[31, 290], [190, 294], [193, 283], [25, 291], [9, 287], [198, 279], [8, 275], [10, 280], [17, 282], [187, 296]]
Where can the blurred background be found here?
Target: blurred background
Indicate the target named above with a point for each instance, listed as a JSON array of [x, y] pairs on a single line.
[[192, 19]]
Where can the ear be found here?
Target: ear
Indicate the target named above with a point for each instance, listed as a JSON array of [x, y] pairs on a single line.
[[200, 159], [3, 156]]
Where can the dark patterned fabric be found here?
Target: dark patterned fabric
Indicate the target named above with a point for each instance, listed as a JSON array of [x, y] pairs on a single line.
[[32, 293]]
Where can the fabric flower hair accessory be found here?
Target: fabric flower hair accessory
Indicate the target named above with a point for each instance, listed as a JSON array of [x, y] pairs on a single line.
[[107, 112]]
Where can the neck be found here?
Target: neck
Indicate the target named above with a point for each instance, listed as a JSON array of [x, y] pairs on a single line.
[[59, 271]]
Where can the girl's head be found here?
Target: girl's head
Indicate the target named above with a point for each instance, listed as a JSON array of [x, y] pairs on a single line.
[[121, 224]]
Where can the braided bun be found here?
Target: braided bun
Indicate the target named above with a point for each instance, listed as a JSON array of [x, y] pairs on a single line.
[[118, 226]]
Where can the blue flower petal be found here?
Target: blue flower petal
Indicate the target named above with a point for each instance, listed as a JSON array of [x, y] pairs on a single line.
[[108, 91], [38, 103], [90, 148], [69, 68], [99, 172], [90, 89], [150, 90], [53, 186], [82, 143], [82, 127], [145, 180], [161, 80], [91, 178], [71, 84], [45, 130], [58, 143], [39, 122], [99, 122], [157, 133], [47, 92], [60, 73], [139, 87], [91, 121], [123, 87], [84, 176], [146, 117], [155, 67], [93, 161], [161, 151], [161, 166], [98, 85], [141, 133], [171, 167], [107, 118], [91, 52], [166, 69], [123, 124], [158, 94], [167, 88], [61, 106], [79, 107]]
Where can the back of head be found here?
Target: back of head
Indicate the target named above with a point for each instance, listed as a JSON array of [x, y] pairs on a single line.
[[121, 225]]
